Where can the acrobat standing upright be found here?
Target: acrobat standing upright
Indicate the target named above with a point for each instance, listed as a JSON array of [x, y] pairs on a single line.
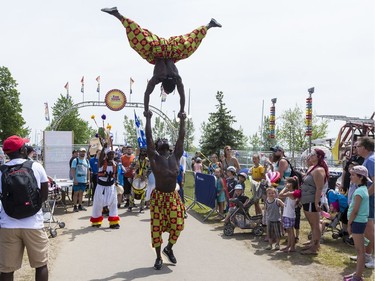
[[163, 53]]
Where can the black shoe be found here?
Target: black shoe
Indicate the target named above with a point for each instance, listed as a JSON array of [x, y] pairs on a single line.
[[95, 225], [169, 254], [81, 208], [214, 23], [126, 204], [114, 226], [158, 263], [109, 10], [130, 209], [75, 209]]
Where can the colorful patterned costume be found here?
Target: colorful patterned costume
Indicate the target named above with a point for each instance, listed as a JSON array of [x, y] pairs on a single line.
[[167, 215], [105, 195], [150, 46]]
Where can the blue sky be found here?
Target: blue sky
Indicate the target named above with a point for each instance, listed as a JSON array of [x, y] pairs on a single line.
[[266, 49]]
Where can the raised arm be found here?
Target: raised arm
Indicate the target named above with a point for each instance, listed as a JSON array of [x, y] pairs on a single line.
[[150, 88], [179, 147], [181, 92], [149, 139]]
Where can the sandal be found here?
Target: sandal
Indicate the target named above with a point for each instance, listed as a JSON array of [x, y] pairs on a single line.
[[296, 240]]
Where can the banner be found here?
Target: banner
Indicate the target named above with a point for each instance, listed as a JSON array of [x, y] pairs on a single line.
[[205, 189], [46, 111]]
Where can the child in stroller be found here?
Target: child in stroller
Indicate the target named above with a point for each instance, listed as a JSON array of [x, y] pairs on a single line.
[[337, 204], [238, 215]]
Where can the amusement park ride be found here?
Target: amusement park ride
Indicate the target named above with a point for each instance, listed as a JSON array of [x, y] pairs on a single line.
[[354, 128]]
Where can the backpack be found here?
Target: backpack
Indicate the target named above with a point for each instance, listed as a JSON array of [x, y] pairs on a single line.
[[294, 172], [20, 195]]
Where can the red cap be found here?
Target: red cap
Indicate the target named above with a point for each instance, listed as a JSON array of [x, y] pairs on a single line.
[[13, 144]]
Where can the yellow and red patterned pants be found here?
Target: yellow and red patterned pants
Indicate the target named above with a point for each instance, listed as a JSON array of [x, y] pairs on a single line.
[[167, 215], [150, 46]]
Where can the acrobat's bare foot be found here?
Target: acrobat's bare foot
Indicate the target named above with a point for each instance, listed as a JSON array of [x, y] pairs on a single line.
[[213, 23]]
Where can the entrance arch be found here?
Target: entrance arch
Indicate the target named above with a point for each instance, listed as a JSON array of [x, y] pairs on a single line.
[[160, 113]]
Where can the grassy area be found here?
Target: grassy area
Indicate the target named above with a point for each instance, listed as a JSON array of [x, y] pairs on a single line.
[[333, 255]]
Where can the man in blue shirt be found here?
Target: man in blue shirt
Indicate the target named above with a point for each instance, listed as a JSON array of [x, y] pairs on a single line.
[[81, 177]]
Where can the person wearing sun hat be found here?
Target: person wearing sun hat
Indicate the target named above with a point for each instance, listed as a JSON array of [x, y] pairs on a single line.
[[358, 213], [28, 232]]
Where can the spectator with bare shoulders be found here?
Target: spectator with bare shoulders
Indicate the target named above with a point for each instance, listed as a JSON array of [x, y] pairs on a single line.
[[229, 160]]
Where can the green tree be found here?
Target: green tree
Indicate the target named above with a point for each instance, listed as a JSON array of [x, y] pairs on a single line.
[[219, 131], [291, 130], [11, 120], [66, 118]]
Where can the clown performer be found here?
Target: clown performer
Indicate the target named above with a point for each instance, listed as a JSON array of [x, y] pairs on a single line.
[[106, 193], [166, 207], [163, 53]]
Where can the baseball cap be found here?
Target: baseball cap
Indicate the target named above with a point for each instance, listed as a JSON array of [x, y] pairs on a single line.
[[232, 169], [243, 174], [198, 159], [82, 149], [13, 143], [276, 148], [238, 186], [360, 170]]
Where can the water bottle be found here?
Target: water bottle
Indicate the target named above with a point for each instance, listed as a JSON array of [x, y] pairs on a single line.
[[366, 242]]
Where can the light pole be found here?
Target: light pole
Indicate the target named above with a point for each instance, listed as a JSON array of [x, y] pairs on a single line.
[[309, 116]]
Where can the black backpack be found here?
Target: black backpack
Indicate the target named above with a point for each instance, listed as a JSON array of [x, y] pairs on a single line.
[[20, 195], [294, 172]]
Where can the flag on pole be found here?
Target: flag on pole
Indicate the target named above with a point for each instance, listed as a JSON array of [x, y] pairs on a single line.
[[46, 111], [141, 137], [131, 84], [83, 84], [98, 80], [67, 89]]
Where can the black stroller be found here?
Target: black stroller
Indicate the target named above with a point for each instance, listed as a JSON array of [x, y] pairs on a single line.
[[240, 216]]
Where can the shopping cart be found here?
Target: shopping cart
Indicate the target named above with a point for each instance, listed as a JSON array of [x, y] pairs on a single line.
[[50, 221]]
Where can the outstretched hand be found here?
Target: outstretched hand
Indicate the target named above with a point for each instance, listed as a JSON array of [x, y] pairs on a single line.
[[181, 115], [147, 114]]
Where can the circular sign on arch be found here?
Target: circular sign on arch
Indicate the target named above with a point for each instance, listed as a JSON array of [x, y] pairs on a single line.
[[115, 100]]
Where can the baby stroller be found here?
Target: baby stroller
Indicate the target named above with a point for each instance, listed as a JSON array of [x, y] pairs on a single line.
[[240, 216], [48, 208], [335, 226]]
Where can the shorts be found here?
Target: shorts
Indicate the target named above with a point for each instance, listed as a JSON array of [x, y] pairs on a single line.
[[13, 242], [358, 227], [288, 222], [309, 207], [167, 215], [274, 230], [79, 187]]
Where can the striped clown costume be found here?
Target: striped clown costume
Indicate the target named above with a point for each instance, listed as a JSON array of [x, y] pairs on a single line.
[[150, 46], [167, 215], [105, 195]]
